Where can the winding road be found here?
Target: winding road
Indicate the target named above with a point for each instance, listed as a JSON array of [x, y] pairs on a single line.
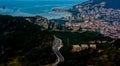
[[56, 47]]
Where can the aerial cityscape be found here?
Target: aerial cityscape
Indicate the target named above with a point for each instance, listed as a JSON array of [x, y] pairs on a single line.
[[59, 33]]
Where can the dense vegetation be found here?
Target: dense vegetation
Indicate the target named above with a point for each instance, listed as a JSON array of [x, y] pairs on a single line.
[[22, 39], [23, 43], [109, 57]]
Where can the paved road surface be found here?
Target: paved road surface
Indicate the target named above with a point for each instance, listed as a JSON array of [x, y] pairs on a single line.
[[56, 47]]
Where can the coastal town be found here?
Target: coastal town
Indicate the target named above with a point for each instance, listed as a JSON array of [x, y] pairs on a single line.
[[88, 17], [88, 34]]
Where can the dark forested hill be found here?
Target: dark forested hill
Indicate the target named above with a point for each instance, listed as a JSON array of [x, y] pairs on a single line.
[[23, 43], [20, 37]]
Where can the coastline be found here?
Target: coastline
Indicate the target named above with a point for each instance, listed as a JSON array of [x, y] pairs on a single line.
[[38, 10], [57, 15]]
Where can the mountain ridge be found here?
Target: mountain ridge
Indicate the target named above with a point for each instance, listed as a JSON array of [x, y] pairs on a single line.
[[109, 3]]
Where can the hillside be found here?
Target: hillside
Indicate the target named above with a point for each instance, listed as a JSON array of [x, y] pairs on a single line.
[[23, 43], [19, 37], [109, 3]]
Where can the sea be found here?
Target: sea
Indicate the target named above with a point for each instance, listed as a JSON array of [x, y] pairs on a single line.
[[36, 7]]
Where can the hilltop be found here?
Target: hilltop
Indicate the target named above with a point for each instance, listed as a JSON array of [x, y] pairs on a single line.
[[109, 3]]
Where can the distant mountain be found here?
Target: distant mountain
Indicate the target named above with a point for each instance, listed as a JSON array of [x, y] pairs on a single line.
[[109, 3]]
